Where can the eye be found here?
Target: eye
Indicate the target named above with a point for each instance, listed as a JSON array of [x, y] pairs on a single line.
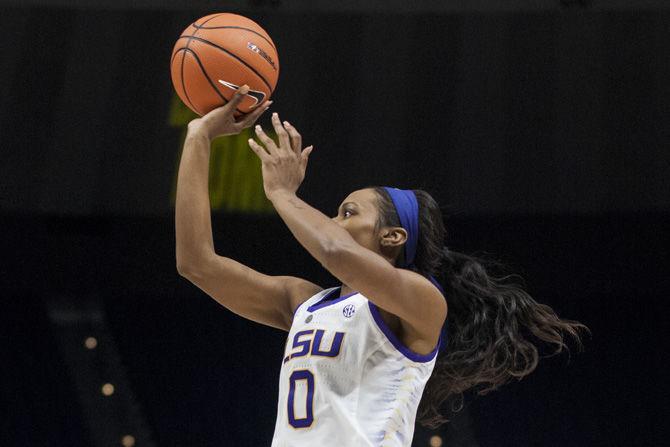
[[345, 212]]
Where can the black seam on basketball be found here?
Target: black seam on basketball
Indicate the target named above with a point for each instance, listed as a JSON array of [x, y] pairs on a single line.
[[183, 86], [198, 29], [197, 59], [236, 57], [237, 27], [190, 37], [194, 108], [211, 18]]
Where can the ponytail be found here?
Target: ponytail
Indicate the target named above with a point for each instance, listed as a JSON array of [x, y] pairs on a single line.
[[493, 324]]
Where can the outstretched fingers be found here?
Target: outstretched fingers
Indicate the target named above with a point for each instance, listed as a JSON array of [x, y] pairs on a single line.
[[250, 118], [258, 150], [296, 138], [267, 141], [304, 156], [284, 141]]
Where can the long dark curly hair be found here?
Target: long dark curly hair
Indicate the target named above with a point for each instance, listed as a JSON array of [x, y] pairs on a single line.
[[490, 319]]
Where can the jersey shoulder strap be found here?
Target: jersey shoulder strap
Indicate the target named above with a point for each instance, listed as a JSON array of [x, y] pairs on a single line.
[[313, 299]]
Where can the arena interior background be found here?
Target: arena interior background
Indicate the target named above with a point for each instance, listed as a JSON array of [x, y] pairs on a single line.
[[540, 127]]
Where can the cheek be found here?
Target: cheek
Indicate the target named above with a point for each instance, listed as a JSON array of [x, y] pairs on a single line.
[[362, 232]]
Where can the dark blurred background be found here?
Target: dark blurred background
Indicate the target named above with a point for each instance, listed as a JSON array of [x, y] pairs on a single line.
[[541, 127]]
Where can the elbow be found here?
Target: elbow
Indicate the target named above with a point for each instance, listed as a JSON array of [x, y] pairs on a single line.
[[191, 273], [183, 263], [184, 269], [188, 268], [190, 263]]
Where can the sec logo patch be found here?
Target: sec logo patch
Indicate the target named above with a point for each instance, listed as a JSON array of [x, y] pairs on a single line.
[[349, 310]]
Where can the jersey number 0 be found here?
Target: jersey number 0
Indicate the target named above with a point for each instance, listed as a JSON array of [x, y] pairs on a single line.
[[297, 375], [310, 346]]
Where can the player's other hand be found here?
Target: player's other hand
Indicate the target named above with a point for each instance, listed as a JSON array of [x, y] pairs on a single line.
[[284, 164], [221, 121]]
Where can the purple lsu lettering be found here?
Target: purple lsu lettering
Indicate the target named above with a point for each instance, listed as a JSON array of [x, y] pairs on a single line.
[[309, 342]]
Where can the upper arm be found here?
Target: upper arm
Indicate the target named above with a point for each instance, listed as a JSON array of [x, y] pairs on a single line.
[[269, 300], [404, 293]]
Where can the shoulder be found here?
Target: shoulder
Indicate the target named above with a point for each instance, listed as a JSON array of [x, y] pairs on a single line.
[[300, 290], [415, 284], [426, 304]]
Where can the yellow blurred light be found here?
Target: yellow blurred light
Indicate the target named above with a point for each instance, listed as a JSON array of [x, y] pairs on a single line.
[[128, 441], [108, 389], [91, 342], [235, 179], [436, 441]]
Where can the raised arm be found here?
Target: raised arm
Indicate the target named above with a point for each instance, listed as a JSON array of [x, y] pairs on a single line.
[[401, 292], [268, 300]]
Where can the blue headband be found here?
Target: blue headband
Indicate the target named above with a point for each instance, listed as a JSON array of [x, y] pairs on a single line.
[[408, 211], [407, 208]]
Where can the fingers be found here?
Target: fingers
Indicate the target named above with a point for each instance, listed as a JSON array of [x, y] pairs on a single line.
[[289, 138], [238, 97], [228, 109], [267, 141], [296, 138], [250, 118], [304, 156], [284, 141], [258, 149]]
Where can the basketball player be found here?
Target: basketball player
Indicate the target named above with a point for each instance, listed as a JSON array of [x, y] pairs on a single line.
[[359, 356]]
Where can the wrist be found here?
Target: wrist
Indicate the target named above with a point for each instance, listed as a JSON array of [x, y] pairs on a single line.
[[279, 194], [196, 128]]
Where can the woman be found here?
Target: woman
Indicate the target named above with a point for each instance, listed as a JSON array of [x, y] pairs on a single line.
[[359, 356]]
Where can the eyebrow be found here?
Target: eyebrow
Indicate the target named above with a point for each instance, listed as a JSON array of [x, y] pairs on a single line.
[[347, 203]]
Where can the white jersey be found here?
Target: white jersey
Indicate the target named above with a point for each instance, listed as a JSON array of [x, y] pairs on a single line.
[[346, 380]]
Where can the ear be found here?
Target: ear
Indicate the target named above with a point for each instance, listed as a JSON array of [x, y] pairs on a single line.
[[393, 237]]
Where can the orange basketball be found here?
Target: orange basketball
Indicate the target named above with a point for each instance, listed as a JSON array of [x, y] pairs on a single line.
[[219, 53]]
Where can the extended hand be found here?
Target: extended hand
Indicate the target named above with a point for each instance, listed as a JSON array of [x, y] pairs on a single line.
[[283, 166], [221, 121]]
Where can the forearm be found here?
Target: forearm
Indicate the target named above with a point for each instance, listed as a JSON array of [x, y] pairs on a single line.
[[193, 226], [314, 230]]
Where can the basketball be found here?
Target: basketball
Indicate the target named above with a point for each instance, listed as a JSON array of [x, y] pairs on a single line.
[[216, 55]]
